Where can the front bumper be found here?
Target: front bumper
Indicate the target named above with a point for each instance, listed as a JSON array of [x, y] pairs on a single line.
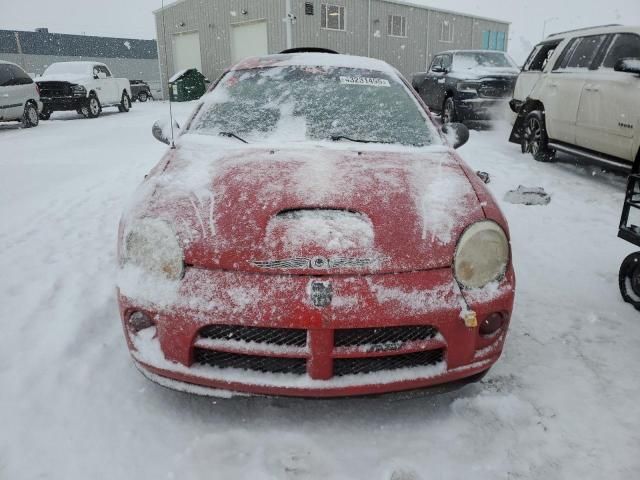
[[478, 108], [55, 104], [177, 354]]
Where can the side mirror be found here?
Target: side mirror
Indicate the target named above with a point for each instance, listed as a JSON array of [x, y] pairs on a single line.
[[457, 134], [161, 130], [628, 65], [438, 69], [102, 75]]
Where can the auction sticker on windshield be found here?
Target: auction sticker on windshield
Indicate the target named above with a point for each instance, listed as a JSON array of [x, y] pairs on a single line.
[[374, 82]]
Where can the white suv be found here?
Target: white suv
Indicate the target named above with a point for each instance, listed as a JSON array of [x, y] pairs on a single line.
[[579, 93], [19, 96]]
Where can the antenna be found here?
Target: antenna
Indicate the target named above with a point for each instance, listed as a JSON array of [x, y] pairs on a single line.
[[166, 72]]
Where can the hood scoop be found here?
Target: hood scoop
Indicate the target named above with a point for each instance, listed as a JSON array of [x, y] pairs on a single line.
[[331, 230]]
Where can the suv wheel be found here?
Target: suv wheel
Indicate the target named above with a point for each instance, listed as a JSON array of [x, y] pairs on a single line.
[[534, 138], [45, 114], [143, 97], [30, 117], [91, 108], [449, 111], [125, 103], [629, 280]]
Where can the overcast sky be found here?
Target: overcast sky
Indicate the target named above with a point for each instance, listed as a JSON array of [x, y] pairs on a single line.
[[133, 18]]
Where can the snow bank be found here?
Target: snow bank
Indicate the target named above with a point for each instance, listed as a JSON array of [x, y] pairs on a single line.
[[560, 404]]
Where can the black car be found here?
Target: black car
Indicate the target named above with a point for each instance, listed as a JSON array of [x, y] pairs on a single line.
[[140, 90], [466, 85]]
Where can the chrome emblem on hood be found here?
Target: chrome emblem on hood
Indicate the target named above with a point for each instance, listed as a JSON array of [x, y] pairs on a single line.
[[318, 263]]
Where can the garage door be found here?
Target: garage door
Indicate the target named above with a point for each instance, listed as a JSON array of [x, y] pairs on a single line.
[[186, 51], [248, 40]]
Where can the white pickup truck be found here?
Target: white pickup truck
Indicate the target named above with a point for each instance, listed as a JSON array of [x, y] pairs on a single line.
[[86, 87]]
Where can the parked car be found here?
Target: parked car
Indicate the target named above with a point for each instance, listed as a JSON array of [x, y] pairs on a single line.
[[313, 233], [86, 87], [579, 93], [140, 91], [464, 85], [19, 96]]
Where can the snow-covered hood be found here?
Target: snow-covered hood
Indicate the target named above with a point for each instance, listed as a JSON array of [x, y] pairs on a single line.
[[71, 78], [316, 211], [478, 73]]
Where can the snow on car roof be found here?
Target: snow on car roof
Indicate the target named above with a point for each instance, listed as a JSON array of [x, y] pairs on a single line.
[[315, 60], [595, 30], [81, 63]]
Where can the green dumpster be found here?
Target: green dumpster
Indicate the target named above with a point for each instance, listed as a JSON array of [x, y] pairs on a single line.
[[187, 85]]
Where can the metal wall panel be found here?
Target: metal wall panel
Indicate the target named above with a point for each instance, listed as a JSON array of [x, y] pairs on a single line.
[[410, 54]]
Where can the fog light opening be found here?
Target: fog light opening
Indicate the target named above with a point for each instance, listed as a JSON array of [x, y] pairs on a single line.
[[492, 324], [139, 321]]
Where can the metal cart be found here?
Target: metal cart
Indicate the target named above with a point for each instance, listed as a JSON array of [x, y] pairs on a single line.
[[629, 278]]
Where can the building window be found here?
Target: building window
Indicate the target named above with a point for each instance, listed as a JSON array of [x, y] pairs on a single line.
[[493, 40], [397, 26], [308, 8], [446, 34], [332, 17]]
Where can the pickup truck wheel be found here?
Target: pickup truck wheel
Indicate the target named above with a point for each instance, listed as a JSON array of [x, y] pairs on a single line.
[[30, 116], [125, 103], [91, 108], [629, 280], [534, 138], [449, 111], [143, 97], [45, 114]]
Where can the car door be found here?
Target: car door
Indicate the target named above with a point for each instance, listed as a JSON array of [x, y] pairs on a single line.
[[103, 85], [15, 86], [440, 82], [539, 58], [609, 111], [112, 85], [4, 90], [427, 89], [562, 88]]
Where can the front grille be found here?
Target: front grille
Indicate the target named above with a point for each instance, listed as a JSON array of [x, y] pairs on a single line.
[[353, 366], [295, 366], [383, 337], [496, 90], [54, 89], [293, 337]]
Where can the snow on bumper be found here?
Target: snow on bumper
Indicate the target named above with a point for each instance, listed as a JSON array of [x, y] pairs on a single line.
[[261, 334]]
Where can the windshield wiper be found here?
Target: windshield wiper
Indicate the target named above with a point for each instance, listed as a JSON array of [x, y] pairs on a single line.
[[232, 135], [335, 138]]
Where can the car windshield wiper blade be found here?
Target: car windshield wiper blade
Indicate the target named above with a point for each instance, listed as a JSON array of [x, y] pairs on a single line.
[[335, 138], [232, 135]]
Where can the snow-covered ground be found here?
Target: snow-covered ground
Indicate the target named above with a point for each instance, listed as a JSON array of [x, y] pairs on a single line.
[[562, 403]]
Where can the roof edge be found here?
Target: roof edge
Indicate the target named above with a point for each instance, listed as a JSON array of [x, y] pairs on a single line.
[[78, 35], [442, 10], [398, 2]]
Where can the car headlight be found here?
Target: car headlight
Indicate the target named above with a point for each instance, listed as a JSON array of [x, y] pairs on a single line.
[[468, 87], [78, 91], [152, 245], [482, 255]]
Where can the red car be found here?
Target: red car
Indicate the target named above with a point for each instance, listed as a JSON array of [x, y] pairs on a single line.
[[313, 233]]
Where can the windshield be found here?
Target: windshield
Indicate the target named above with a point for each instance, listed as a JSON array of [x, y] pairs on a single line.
[[296, 104], [68, 67], [471, 60]]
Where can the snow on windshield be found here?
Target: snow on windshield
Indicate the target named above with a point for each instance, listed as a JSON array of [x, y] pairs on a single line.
[[68, 68], [472, 60], [301, 103]]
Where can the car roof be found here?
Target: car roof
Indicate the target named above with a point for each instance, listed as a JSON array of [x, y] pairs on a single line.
[[88, 64], [315, 60], [600, 29], [9, 63]]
